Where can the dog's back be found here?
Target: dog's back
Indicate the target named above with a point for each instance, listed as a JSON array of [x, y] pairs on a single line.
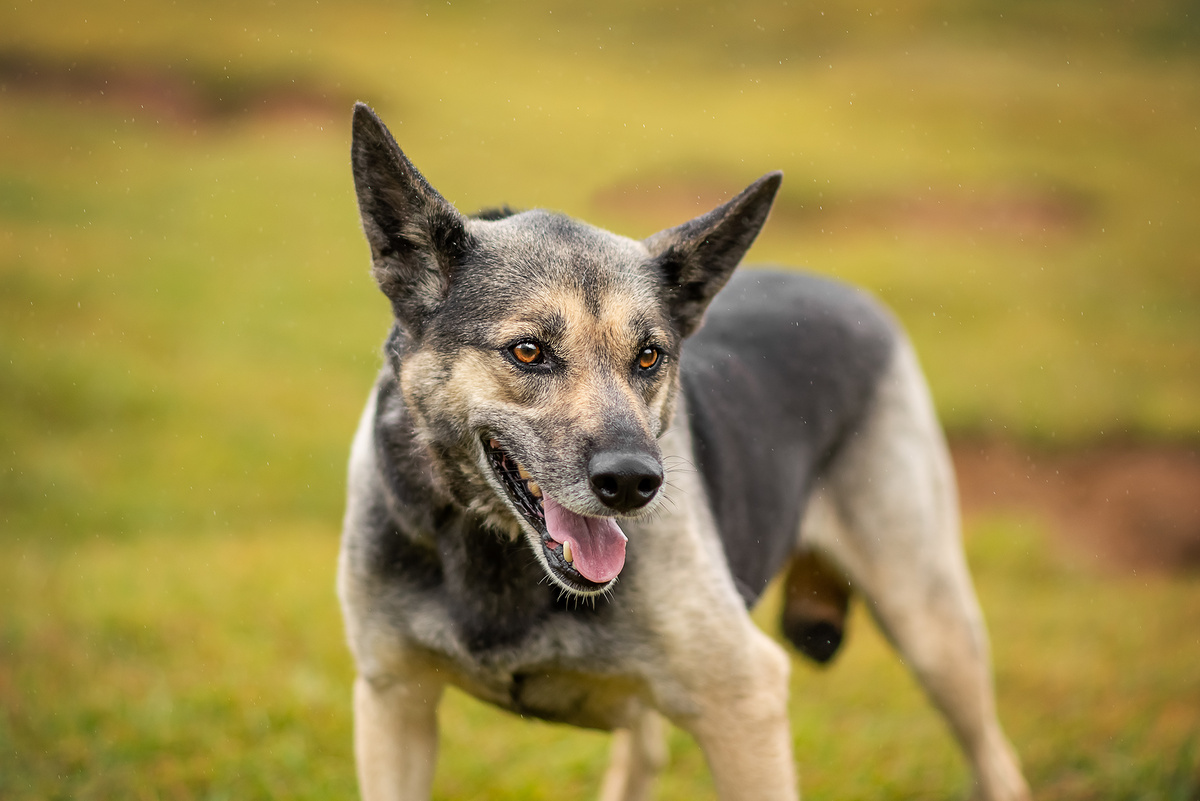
[[780, 374]]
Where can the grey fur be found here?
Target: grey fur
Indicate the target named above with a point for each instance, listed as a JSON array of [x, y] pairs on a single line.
[[793, 388]]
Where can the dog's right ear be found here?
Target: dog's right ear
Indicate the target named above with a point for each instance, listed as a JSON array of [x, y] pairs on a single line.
[[417, 238]]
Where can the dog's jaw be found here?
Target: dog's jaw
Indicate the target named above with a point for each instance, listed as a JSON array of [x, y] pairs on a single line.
[[528, 504]]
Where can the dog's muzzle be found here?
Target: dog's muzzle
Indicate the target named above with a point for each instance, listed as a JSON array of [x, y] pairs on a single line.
[[583, 553]]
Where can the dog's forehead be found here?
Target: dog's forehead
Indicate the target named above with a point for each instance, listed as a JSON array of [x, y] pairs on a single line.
[[540, 265], [556, 248]]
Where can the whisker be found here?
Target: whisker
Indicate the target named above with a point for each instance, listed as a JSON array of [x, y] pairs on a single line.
[[675, 459]]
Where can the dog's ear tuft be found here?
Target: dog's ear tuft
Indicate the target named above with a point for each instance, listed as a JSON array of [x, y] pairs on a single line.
[[417, 238], [695, 259]]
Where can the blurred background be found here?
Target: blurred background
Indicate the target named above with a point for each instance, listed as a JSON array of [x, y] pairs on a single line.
[[188, 330]]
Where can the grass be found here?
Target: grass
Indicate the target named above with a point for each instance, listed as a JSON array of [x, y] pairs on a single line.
[[213, 667], [187, 332]]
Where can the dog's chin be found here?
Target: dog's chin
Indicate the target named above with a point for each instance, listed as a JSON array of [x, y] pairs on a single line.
[[527, 503]]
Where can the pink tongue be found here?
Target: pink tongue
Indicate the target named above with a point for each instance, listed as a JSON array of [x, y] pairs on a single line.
[[597, 544]]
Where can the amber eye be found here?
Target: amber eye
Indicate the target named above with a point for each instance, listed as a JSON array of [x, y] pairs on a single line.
[[527, 352], [648, 358]]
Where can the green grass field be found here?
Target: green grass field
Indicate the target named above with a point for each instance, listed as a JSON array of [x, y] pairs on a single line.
[[188, 330]]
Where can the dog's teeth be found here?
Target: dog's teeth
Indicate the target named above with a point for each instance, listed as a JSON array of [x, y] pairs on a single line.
[[534, 489], [522, 472], [494, 444], [567, 552]]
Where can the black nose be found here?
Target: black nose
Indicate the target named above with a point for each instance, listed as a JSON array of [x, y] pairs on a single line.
[[624, 481]]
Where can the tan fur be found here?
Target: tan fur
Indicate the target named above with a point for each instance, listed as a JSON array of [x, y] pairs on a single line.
[[887, 517], [727, 682], [395, 736], [639, 753]]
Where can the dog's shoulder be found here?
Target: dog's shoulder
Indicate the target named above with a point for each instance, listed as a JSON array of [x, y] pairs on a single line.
[[780, 374]]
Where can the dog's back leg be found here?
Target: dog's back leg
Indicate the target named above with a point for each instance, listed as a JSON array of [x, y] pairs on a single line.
[[892, 526], [638, 754]]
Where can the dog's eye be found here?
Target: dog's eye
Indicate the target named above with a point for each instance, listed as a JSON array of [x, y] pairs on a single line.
[[528, 352], [648, 358]]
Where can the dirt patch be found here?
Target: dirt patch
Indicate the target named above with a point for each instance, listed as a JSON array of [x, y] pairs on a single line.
[[180, 95], [1016, 211], [1129, 506], [1019, 211]]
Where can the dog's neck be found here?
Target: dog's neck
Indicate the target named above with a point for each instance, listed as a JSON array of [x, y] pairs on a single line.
[[499, 588]]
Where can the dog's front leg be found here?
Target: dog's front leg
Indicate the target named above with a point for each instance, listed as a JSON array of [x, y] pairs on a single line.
[[638, 754], [395, 737], [743, 727]]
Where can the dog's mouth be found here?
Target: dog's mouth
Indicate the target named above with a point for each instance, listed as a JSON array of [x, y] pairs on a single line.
[[582, 554]]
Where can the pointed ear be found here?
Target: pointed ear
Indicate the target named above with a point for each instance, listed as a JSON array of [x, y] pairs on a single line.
[[696, 259], [417, 238]]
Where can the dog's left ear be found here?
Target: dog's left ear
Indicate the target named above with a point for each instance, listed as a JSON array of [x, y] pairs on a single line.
[[417, 238], [696, 259]]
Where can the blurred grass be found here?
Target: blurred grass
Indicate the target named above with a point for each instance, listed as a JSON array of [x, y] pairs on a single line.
[[213, 667], [188, 327], [187, 332]]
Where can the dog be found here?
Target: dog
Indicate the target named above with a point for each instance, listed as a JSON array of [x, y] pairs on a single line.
[[580, 466]]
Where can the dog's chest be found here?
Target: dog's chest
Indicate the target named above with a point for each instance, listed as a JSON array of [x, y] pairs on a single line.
[[561, 665], [481, 608], [552, 693]]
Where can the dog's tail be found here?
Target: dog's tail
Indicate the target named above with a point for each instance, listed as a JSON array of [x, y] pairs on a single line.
[[816, 597]]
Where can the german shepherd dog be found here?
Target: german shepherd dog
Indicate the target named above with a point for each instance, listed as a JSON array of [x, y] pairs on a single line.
[[580, 465]]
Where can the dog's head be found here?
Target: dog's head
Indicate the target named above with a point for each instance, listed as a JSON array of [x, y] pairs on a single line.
[[537, 355]]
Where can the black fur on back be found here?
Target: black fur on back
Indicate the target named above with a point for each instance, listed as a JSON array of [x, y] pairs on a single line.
[[781, 373]]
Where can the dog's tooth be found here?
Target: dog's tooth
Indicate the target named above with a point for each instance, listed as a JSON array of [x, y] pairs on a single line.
[[494, 444], [567, 552], [534, 489], [523, 473]]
